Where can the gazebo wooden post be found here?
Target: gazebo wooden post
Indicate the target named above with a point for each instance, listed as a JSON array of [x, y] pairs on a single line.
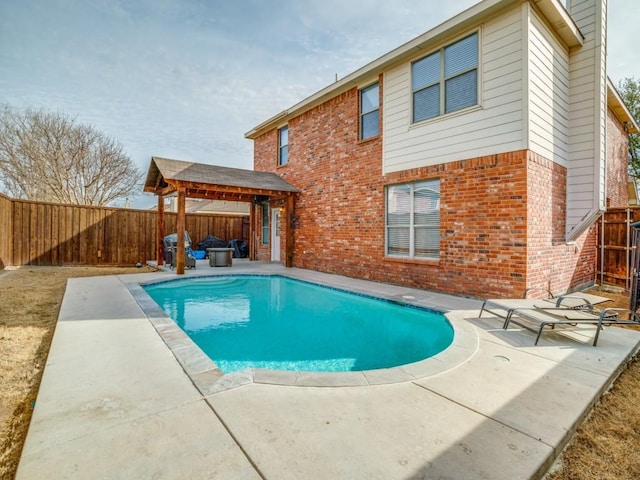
[[180, 227], [288, 261], [160, 249]]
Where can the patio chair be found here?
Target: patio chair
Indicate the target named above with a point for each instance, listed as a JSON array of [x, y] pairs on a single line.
[[552, 317], [189, 259]]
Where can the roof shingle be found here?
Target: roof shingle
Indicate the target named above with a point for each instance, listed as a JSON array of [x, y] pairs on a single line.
[[183, 171]]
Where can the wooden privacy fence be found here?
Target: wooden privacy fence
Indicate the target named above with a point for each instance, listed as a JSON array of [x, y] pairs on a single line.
[[37, 233], [5, 230], [615, 244]]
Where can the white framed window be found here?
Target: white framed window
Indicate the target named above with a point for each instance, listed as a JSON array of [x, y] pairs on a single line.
[[413, 220], [369, 111], [283, 145], [446, 80]]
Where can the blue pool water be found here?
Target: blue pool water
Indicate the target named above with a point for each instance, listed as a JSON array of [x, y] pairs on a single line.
[[278, 323]]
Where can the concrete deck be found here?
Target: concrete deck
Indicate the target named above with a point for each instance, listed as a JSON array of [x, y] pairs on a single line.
[[126, 395]]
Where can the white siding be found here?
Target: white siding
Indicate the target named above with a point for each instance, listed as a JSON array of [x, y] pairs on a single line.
[[494, 127], [587, 117], [548, 92]]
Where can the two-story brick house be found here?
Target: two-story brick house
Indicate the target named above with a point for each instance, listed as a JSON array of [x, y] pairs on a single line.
[[474, 159]]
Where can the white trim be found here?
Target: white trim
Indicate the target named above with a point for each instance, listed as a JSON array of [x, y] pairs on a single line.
[[275, 235], [526, 77]]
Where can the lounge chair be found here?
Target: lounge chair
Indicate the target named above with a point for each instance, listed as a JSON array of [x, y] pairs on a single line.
[[504, 308], [545, 317]]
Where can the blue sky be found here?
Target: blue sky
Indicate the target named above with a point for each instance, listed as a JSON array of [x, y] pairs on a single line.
[[186, 79]]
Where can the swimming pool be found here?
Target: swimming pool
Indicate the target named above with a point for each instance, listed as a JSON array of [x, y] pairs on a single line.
[[277, 323]]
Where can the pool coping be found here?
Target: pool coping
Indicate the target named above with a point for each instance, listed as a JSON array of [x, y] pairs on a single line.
[[109, 375], [209, 379]]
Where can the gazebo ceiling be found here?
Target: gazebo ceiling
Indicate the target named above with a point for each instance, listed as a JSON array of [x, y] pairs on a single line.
[[213, 182]]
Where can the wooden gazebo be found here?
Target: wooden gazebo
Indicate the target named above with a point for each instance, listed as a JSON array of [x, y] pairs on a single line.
[[211, 182]]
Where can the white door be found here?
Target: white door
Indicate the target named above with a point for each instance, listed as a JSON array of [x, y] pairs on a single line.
[[275, 235]]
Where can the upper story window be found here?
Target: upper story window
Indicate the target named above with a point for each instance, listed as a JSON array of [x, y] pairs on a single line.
[[446, 80], [283, 146], [369, 111], [413, 220]]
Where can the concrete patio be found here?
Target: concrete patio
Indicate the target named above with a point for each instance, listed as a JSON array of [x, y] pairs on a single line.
[[126, 395]]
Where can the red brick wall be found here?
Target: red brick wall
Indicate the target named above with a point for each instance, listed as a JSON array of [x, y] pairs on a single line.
[[482, 227], [333, 169], [489, 206], [617, 173], [551, 262]]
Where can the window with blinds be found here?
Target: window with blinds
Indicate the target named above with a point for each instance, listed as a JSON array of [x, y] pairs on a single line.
[[413, 220], [447, 80]]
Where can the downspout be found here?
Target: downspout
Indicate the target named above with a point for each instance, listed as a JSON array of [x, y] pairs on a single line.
[[602, 250]]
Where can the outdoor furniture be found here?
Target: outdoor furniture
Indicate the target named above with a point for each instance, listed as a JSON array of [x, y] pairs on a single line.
[[240, 248], [211, 241], [504, 308], [544, 317], [189, 260], [172, 239], [220, 257]]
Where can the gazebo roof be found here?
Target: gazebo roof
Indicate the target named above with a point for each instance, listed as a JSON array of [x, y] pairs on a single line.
[[212, 181]]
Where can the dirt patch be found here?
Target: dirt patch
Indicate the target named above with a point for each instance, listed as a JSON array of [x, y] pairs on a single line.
[[606, 445], [29, 306]]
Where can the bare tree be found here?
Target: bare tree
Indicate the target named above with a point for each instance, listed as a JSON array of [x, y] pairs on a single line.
[[49, 157]]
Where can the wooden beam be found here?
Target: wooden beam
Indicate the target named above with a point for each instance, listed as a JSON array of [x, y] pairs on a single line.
[[160, 249], [289, 208], [210, 195], [252, 227], [159, 179], [169, 189], [230, 189], [280, 195], [243, 196], [218, 192], [180, 227]]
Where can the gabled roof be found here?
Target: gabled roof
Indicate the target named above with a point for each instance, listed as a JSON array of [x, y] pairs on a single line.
[[553, 10], [165, 175]]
